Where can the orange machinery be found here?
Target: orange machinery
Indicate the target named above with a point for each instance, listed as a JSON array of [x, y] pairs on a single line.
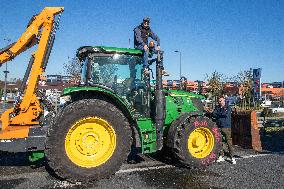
[[17, 121]]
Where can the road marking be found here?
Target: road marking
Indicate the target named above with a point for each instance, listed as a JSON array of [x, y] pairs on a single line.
[[261, 155], [65, 184], [252, 156], [144, 169]]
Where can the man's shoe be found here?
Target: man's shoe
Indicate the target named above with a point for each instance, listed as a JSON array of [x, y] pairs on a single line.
[[220, 159], [164, 73]]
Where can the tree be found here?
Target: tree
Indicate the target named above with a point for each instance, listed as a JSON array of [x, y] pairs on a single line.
[[73, 68], [216, 83], [245, 82]]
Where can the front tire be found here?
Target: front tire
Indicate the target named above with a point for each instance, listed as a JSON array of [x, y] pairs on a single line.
[[88, 141], [196, 142]]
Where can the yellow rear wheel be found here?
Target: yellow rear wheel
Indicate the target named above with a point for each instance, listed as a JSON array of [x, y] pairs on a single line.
[[90, 142], [200, 142]]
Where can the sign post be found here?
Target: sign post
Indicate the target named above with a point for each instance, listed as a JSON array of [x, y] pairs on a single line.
[[257, 84]]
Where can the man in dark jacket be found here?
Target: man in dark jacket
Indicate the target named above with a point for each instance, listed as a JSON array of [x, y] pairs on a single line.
[[222, 113], [141, 35]]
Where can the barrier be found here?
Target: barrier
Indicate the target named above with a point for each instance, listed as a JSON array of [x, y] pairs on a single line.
[[245, 131]]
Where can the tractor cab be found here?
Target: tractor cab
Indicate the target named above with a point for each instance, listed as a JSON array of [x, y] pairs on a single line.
[[119, 70]]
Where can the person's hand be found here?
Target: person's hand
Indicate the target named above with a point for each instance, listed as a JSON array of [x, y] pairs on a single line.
[[146, 71], [146, 47], [151, 44], [208, 109], [158, 48]]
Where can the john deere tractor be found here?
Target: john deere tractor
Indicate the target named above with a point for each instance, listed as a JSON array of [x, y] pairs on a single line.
[[116, 107]]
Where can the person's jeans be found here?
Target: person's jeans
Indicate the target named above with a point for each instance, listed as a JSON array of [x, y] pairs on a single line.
[[145, 55], [227, 133]]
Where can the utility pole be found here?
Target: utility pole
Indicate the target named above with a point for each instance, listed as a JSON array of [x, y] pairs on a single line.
[[179, 65], [6, 76]]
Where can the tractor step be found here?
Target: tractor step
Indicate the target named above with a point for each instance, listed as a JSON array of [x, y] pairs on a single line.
[[12, 140]]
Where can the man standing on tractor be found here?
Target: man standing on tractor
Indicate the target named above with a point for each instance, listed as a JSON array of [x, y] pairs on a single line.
[[141, 34], [222, 113]]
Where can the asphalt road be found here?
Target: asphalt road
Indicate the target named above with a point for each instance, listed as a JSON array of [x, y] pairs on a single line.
[[252, 170]]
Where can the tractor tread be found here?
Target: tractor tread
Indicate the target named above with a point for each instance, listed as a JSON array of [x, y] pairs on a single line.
[[179, 134]]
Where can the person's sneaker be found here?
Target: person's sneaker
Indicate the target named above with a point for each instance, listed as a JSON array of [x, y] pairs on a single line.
[[220, 159], [233, 161], [165, 73]]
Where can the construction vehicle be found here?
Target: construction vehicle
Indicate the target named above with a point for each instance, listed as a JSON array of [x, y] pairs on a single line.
[[22, 126], [113, 108]]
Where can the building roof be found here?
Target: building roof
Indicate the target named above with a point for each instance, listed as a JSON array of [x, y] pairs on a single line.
[[274, 91]]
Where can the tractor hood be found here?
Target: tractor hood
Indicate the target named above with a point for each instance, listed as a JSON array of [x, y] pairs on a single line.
[[184, 93], [178, 102]]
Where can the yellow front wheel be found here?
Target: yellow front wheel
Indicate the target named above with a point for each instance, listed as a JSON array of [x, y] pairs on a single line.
[[195, 141], [200, 142]]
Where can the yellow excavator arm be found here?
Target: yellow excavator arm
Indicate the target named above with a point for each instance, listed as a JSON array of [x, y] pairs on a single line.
[[41, 30], [29, 38]]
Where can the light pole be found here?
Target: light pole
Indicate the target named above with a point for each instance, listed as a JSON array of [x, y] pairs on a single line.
[[179, 63], [180, 84], [6, 76]]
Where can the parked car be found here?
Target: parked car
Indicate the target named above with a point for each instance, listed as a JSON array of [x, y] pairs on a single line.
[[277, 110], [9, 98], [266, 103]]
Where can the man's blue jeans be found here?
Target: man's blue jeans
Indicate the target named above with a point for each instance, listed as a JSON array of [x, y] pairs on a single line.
[[145, 55]]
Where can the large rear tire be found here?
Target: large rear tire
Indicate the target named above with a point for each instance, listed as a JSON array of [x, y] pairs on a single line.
[[196, 141], [89, 140]]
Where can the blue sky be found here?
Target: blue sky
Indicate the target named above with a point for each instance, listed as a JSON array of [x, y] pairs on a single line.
[[227, 36]]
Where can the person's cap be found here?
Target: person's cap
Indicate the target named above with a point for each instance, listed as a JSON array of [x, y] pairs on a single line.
[[146, 19]]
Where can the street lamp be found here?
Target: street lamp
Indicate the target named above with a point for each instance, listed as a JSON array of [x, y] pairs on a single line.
[[6, 76], [180, 85], [179, 63]]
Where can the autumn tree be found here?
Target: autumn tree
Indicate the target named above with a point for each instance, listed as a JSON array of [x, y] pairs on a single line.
[[245, 83], [73, 69], [215, 82]]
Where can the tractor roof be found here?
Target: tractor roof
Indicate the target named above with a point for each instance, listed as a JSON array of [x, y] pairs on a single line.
[[84, 50]]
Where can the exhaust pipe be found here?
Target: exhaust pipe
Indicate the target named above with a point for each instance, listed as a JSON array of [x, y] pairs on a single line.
[[160, 102]]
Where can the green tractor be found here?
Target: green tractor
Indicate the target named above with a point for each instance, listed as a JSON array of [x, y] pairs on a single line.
[[115, 107]]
